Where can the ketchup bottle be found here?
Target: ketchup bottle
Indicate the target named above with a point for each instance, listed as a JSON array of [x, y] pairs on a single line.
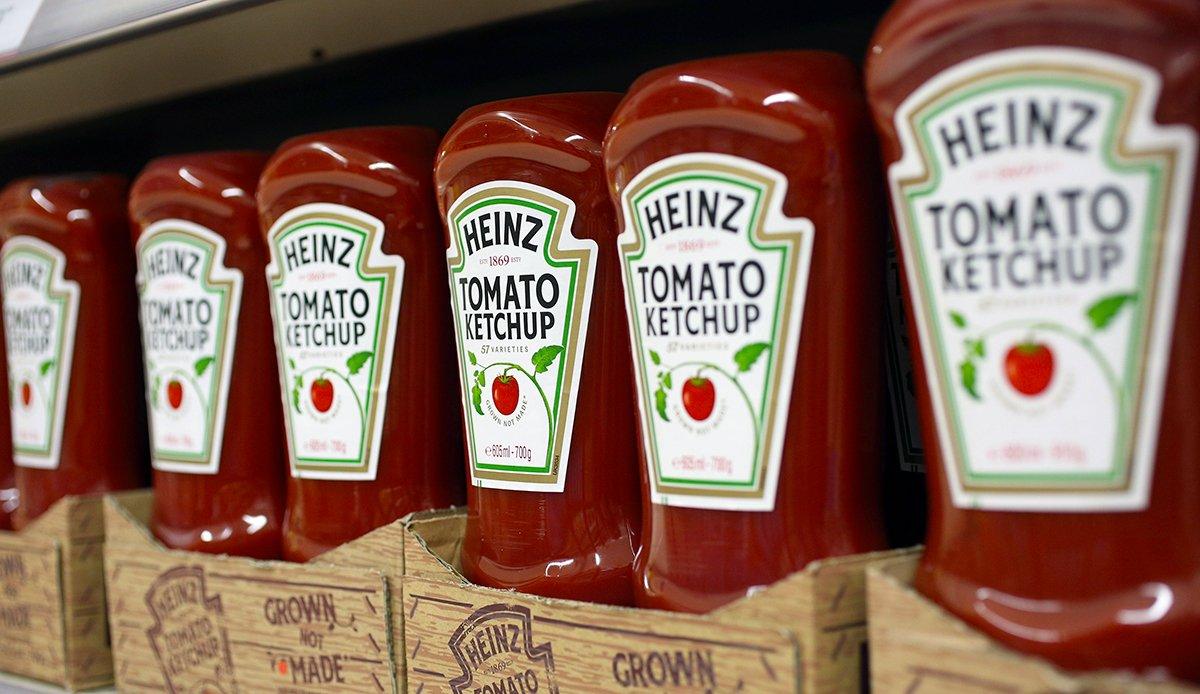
[[216, 435], [1041, 159], [553, 505], [70, 313], [750, 251], [366, 358]]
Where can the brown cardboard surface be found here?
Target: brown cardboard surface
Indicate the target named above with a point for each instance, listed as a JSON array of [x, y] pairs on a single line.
[[803, 633], [52, 598], [918, 646], [187, 621]]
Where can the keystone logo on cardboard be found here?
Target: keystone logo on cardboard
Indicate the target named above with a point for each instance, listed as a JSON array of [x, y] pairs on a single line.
[[188, 636], [494, 648]]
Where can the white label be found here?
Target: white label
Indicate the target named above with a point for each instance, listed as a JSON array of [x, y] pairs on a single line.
[[521, 289], [1043, 215], [40, 311], [189, 311], [715, 278], [335, 299]]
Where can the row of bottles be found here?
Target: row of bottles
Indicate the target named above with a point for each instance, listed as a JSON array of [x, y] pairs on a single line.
[[686, 284]]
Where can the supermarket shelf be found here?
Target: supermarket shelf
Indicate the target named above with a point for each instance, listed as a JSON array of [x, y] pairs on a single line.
[[33, 31], [81, 58], [12, 684]]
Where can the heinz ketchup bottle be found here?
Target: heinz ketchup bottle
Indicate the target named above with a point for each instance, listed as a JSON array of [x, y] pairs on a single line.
[[750, 250], [543, 348], [216, 434], [70, 313], [357, 284], [1042, 165]]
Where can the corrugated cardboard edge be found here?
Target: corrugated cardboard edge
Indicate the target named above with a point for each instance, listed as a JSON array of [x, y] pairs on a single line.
[[917, 645], [827, 604], [73, 531], [377, 553], [821, 609], [380, 551]]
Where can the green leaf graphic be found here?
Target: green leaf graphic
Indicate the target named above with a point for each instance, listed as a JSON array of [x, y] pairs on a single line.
[[967, 371], [660, 403], [957, 319], [154, 392], [666, 379], [296, 399], [476, 398], [291, 363], [746, 356], [471, 358], [356, 361], [479, 377], [975, 347], [45, 366], [1105, 310], [299, 383], [544, 357], [202, 365], [655, 358]]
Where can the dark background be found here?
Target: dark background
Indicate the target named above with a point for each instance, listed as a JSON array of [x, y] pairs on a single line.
[[602, 45]]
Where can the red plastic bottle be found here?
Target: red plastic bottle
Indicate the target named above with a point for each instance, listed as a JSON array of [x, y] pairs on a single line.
[[70, 312], [553, 506], [357, 283], [751, 250], [1042, 164], [216, 435]]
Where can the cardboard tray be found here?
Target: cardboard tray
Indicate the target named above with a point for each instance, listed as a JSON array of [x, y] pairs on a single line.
[[916, 646], [805, 632], [188, 621], [52, 597]]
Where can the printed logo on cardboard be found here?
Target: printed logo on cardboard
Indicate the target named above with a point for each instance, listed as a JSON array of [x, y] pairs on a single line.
[[14, 574], [494, 648], [188, 636]]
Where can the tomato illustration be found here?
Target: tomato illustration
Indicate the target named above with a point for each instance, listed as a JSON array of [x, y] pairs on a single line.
[[26, 393], [698, 397], [321, 394], [505, 393], [1029, 367], [174, 394]]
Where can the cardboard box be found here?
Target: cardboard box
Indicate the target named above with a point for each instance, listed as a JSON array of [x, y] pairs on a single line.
[[806, 632], [52, 613], [188, 621], [918, 646]]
